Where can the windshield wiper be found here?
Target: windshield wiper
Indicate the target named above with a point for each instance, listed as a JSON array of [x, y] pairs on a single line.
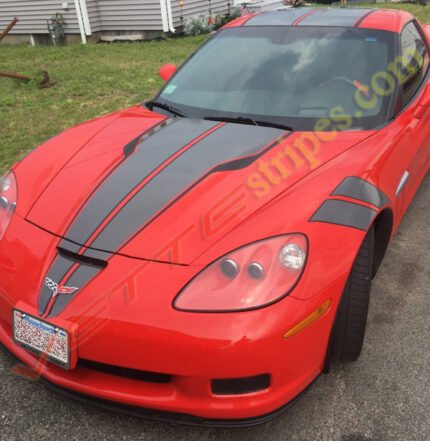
[[249, 121], [171, 109]]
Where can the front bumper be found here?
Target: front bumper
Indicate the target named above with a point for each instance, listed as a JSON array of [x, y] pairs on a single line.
[[127, 329], [162, 416]]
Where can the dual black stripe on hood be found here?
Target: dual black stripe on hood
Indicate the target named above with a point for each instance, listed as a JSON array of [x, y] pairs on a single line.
[[198, 148], [59, 268], [228, 143], [151, 152], [78, 275], [224, 146]]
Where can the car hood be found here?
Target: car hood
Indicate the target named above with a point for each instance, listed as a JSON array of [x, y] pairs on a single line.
[[180, 185]]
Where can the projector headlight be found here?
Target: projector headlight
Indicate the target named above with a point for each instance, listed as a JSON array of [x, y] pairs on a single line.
[[250, 277]]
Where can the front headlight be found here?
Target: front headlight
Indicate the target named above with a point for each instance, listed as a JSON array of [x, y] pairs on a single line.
[[251, 277], [8, 196]]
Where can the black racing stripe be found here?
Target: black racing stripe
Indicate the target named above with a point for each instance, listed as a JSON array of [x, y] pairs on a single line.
[[243, 162], [128, 151], [230, 143], [56, 273], [335, 17], [236, 164], [248, 146], [130, 148], [81, 277], [357, 188], [77, 258], [151, 152], [284, 17], [344, 213]]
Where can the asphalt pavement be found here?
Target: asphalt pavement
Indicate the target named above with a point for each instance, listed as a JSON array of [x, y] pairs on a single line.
[[384, 396]]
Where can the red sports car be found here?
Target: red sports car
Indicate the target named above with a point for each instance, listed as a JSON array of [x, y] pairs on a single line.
[[204, 257]]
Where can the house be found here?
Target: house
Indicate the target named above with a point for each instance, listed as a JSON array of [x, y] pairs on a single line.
[[91, 19]]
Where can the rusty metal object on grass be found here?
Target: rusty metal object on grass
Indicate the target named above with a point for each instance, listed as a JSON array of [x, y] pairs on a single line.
[[8, 28], [46, 81], [15, 76]]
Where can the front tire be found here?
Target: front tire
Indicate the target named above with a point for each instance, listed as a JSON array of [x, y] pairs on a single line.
[[351, 319]]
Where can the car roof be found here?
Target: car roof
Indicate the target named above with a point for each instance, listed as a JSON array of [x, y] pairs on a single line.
[[367, 18]]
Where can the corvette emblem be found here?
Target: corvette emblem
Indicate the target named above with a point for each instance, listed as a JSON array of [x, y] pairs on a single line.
[[59, 289]]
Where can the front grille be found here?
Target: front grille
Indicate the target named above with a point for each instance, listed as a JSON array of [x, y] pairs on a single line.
[[133, 374]]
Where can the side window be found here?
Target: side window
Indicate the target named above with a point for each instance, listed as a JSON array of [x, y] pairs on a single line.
[[415, 60]]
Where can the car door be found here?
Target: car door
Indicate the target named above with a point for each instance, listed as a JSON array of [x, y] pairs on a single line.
[[414, 111]]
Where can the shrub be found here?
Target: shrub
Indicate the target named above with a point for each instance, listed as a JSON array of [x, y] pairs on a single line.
[[205, 24]]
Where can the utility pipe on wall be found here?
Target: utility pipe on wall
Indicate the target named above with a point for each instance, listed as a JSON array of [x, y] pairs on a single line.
[[170, 16], [80, 22], [85, 17], [166, 16]]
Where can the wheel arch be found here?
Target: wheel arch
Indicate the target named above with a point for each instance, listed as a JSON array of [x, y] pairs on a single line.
[[383, 225], [383, 228]]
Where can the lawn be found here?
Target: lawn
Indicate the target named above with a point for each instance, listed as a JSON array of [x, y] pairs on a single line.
[[92, 80], [421, 12]]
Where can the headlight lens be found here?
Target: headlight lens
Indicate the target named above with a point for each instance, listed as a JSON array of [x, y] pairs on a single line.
[[8, 196], [251, 277]]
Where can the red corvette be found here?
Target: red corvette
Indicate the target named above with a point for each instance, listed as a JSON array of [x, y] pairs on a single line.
[[204, 257]]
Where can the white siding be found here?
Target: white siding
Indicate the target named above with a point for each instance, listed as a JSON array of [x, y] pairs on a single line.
[[130, 15], [104, 15], [94, 15], [33, 15]]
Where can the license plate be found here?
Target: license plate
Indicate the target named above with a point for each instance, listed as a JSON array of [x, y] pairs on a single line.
[[42, 338]]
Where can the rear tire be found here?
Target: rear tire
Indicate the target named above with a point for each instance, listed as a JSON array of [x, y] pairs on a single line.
[[351, 319]]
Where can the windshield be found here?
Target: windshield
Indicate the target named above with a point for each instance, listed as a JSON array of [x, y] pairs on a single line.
[[289, 75]]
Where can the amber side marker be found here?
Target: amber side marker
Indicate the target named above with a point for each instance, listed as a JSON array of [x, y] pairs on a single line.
[[309, 319]]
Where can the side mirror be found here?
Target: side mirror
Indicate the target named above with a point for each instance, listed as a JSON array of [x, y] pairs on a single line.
[[166, 72]]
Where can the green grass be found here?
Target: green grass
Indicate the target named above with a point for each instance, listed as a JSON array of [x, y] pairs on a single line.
[[92, 80], [421, 12]]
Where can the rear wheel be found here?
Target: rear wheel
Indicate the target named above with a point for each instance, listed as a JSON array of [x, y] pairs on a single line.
[[350, 324]]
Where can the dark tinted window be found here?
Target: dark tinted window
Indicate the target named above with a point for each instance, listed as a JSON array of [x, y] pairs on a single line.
[[290, 75], [415, 61]]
